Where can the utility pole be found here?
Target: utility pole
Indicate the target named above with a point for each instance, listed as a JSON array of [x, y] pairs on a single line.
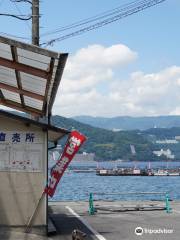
[[35, 22], [35, 28]]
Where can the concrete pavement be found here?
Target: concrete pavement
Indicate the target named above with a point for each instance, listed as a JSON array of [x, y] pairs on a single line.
[[113, 223], [115, 220]]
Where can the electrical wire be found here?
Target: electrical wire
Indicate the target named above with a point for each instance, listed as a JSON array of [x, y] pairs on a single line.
[[122, 9], [19, 11], [135, 8], [25, 1], [21, 16], [14, 36], [16, 16], [91, 19]]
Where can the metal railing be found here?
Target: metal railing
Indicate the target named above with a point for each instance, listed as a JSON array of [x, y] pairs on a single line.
[[165, 195]]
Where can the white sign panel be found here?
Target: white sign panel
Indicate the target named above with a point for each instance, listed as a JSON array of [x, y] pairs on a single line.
[[21, 151]]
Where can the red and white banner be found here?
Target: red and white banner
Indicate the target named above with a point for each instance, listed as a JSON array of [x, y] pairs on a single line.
[[73, 144]]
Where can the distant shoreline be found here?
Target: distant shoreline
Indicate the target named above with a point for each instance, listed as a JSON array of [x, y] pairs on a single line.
[[127, 161]]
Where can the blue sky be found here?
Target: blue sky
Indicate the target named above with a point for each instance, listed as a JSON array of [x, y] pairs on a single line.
[[149, 39]]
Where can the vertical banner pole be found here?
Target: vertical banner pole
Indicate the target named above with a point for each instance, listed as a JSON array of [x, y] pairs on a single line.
[[29, 224]]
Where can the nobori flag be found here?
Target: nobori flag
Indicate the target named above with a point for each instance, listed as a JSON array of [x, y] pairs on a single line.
[[74, 142]]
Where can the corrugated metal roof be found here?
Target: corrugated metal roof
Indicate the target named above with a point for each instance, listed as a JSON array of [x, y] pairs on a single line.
[[29, 76]]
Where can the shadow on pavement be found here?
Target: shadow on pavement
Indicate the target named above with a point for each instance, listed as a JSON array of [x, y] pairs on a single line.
[[65, 224]]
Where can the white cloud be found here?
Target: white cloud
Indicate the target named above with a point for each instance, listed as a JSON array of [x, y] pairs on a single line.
[[92, 85], [95, 68], [94, 64], [148, 94], [99, 55]]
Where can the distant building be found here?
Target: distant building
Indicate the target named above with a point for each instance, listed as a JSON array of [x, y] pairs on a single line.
[[177, 138], [166, 153], [54, 155], [116, 129], [84, 157], [167, 141]]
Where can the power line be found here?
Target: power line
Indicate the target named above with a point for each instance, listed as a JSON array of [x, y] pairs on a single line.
[[91, 19], [135, 8], [20, 17], [14, 36], [25, 1], [19, 11]]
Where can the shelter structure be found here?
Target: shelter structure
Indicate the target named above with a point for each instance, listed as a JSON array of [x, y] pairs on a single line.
[[29, 80], [29, 76]]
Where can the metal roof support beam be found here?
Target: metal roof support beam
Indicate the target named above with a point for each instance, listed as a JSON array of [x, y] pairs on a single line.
[[17, 73], [24, 68], [45, 104], [60, 68], [21, 91], [1, 95], [18, 106]]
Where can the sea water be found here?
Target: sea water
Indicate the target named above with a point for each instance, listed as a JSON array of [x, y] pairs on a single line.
[[77, 186]]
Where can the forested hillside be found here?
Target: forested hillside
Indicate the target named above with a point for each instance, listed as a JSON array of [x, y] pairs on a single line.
[[109, 145]]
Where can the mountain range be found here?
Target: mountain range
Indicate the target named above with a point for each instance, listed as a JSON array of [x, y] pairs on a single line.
[[130, 123], [113, 145]]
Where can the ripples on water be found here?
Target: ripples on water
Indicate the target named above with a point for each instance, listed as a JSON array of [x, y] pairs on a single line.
[[77, 186]]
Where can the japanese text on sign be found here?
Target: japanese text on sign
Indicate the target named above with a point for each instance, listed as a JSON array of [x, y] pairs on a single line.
[[21, 150], [17, 137]]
